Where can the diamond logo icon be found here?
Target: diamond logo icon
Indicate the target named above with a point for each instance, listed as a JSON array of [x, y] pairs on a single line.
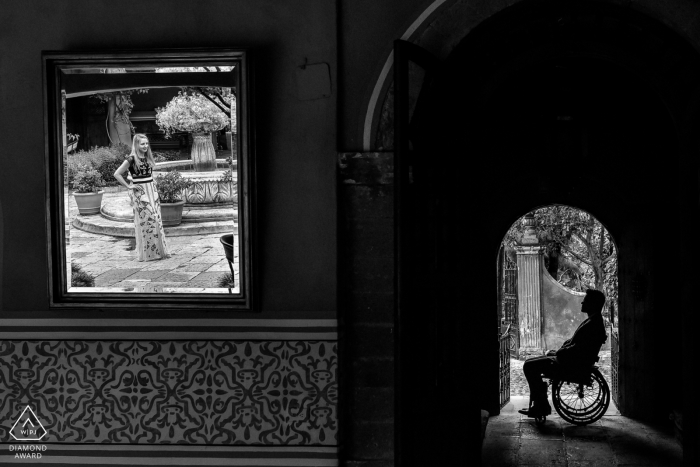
[[28, 427]]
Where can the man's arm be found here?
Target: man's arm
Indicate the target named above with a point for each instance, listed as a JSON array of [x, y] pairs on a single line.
[[553, 353], [584, 343]]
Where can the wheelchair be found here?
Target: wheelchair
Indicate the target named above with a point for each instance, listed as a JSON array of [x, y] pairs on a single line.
[[579, 397]]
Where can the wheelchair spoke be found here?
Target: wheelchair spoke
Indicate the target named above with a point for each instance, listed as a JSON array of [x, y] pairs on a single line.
[[580, 403]]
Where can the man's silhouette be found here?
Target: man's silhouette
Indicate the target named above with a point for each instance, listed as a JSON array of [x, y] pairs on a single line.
[[579, 352]]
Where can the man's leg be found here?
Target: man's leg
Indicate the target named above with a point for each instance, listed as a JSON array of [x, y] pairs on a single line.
[[534, 368]]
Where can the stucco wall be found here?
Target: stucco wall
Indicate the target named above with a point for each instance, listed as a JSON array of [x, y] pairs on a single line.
[[562, 311]]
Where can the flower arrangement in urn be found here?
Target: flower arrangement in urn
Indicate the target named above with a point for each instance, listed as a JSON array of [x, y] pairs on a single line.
[[195, 114]]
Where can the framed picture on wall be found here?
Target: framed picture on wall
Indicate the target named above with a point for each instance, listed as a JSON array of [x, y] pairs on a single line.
[[150, 178]]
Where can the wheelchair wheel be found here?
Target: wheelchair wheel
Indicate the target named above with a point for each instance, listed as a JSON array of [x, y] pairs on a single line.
[[580, 402]]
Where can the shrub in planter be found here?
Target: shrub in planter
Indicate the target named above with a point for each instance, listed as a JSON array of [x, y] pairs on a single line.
[[170, 187], [86, 180], [86, 184], [80, 278]]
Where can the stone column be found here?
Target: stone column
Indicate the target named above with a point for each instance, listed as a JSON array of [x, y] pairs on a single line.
[[530, 303]]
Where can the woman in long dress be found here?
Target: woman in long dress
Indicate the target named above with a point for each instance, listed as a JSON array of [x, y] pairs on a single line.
[[150, 236]]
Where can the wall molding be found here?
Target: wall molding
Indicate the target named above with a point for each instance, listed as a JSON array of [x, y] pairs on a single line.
[[106, 454], [172, 329], [383, 80]]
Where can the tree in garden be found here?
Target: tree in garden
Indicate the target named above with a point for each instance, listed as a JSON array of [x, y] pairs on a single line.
[[223, 98], [579, 252], [122, 102]]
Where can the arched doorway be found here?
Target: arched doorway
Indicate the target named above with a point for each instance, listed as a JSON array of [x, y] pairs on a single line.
[[544, 103], [547, 260]]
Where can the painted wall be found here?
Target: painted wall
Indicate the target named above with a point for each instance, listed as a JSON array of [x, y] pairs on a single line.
[[295, 143]]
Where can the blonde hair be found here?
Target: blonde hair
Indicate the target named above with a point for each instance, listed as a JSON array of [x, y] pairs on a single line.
[[149, 154]]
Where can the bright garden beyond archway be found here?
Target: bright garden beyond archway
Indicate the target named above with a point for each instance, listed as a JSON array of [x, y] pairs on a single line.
[[549, 258]]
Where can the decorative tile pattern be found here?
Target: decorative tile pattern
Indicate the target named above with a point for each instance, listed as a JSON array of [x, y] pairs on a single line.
[[167, 392]]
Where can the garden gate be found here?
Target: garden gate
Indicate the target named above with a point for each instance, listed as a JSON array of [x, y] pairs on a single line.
[[509, 304], [504, 368], [508, 337], [614, 362]]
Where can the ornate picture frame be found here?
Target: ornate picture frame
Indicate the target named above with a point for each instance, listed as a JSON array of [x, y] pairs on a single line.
[[110, 80]]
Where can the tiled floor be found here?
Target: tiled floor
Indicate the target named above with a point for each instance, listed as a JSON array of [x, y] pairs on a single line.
[[515, 440]]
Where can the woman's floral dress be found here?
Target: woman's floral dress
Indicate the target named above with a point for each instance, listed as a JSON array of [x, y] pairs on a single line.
[[150, 236]]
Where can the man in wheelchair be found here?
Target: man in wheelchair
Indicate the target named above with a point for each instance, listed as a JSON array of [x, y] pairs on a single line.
[[576, 355]]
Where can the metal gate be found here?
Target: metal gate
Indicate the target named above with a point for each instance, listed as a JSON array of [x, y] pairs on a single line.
[[509, 304], [508, 325], [614, 364], [504, 368]]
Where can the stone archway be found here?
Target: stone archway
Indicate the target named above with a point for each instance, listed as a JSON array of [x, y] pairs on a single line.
[[443, 24], [495, 116], [580, 253]]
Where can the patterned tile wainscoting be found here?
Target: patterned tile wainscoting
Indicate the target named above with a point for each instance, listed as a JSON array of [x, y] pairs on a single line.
[[214, 393]]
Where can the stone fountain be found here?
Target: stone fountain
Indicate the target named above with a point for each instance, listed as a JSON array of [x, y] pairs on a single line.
[[211, 203]]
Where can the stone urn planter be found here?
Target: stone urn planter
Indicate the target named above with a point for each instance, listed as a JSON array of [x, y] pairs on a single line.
[[203, 153], [171, 213], [197, 115], [88, 203], [86, 183]]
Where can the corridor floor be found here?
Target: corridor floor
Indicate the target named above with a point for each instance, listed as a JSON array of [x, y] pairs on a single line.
[[514, 440]]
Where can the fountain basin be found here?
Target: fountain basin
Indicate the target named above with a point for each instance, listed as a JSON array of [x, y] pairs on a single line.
[[118, 209]]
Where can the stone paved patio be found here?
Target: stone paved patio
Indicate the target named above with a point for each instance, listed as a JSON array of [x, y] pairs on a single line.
[[197, 262]]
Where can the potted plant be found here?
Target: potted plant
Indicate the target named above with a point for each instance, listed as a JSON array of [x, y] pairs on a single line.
[[170, 188], [198, 115], [86, 182]]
